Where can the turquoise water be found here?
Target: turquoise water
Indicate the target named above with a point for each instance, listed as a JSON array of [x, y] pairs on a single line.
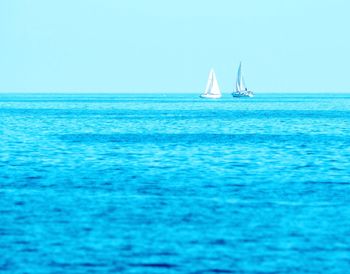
[[174, 184]]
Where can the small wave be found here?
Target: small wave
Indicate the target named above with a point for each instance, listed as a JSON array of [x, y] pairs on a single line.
[[190, 138], [154, 265], [217, 270]]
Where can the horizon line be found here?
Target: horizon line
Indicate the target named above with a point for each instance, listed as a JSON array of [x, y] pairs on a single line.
[[166, 93]]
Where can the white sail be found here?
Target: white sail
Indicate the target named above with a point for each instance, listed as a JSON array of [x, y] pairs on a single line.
[[215, 86], [209, 82], [212, 90], [240, 83]]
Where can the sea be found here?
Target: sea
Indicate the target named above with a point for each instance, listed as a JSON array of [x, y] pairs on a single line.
[[171, 183]]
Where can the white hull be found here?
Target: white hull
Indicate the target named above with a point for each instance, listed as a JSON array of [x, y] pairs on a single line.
[[210, 96], [241, 94]]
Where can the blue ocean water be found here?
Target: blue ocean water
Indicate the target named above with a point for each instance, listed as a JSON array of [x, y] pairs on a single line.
[[174, 184]]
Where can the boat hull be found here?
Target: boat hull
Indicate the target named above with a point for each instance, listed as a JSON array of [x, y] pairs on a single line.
[[238, 94], [210, 96]]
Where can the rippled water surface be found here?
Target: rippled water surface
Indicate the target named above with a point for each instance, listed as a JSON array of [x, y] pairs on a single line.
[[174, 184]]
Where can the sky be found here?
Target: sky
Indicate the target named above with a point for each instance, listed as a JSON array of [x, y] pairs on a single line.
[[169, 46]]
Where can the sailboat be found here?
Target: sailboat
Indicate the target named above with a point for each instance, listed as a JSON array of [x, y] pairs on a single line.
[[241, 89], [212, 90]]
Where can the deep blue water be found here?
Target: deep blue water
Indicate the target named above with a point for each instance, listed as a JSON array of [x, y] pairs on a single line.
[[174, 184]]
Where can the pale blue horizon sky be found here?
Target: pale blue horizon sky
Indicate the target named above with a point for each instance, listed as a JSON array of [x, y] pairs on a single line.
[[170, 46]]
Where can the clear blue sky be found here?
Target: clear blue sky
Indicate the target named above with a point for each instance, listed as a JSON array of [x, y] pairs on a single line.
[[170, 46]]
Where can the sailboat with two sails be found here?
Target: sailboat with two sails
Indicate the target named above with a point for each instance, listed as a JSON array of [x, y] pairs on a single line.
[[241, 88], [212, 90]]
